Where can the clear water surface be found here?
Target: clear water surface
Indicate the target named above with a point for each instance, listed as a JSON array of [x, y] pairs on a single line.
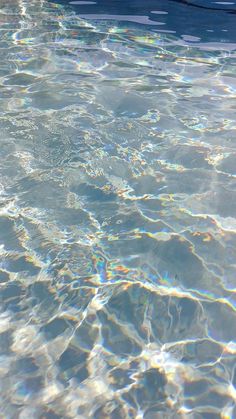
[[118, 209]]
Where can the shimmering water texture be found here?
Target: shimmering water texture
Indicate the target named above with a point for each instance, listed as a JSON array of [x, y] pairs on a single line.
[[118, 220]]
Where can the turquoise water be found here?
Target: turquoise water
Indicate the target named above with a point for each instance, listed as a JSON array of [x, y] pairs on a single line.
[[118, 218]]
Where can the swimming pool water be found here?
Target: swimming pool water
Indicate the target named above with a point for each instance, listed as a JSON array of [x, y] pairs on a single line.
[[117, 216]]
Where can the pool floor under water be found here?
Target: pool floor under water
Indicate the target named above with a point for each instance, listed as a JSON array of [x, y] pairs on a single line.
[[117, 219]]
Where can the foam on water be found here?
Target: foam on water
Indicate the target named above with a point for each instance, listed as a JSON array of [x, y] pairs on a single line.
[[117, 219]]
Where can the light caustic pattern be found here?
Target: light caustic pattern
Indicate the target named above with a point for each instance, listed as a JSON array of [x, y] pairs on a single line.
[[117, 220]]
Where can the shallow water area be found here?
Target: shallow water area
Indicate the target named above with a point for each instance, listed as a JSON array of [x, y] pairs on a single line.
[[117, 215]]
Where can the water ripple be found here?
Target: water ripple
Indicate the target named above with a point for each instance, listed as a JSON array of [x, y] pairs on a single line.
[[117, 219]]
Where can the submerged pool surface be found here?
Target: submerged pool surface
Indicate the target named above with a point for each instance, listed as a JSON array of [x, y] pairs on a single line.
[[117, 211]]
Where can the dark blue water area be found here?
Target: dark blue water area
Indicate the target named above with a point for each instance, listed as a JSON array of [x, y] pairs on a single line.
[[206, 20]]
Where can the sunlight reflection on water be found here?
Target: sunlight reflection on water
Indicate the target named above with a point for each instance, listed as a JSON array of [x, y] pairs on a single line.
[[117, 224]]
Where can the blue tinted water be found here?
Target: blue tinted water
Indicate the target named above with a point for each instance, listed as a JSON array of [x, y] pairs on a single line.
[[118, 209]]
